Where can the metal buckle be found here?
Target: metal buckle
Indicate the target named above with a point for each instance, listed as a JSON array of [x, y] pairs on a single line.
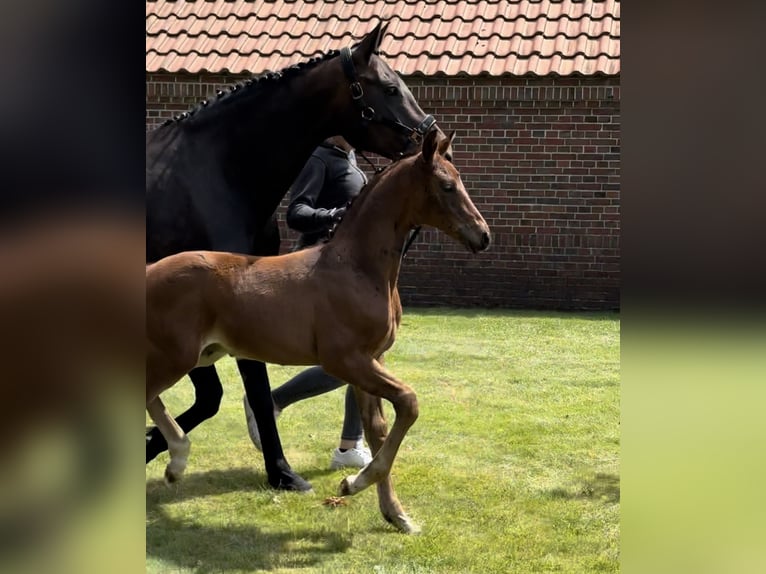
[[356, 90], [425, 125], [368, 113], [418, 132]]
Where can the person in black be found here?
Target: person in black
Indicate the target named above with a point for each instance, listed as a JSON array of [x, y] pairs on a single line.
[[318, 200]]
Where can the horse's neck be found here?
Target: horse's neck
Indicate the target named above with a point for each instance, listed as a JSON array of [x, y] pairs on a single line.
[[298, 114], [268, 137], [372, 236]]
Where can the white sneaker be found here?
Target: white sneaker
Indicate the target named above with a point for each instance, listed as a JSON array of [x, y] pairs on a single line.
[[358, 457], [252, 426]]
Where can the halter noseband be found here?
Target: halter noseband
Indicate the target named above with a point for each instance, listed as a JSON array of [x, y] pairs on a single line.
[[368, 113]]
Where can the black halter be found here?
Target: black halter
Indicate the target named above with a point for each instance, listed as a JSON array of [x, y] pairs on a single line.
[[368, 113]]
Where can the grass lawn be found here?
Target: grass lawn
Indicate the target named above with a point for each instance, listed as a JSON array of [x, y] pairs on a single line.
[[512, 466]]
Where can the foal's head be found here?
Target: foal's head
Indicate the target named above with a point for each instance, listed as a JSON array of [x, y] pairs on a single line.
[[445, 203]]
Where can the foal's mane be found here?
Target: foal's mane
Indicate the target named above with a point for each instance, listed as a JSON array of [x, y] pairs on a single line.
[[364, 192], [251, 86]]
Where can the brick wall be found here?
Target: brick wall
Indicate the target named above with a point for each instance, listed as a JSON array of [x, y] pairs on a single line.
[[541, 160]]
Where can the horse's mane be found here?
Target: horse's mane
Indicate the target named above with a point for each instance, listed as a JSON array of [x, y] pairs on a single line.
[[252, 86]]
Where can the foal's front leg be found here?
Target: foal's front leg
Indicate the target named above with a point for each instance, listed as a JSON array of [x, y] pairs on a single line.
[[376, 430], [178, 443], [368, 375]]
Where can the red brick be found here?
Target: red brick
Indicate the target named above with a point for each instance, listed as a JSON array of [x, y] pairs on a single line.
[[533, 152]]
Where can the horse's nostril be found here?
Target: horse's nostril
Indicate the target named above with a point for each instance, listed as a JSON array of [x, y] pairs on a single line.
[[485, 240]]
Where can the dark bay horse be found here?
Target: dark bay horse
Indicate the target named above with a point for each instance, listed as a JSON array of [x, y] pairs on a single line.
[[335, 304], [216, 174]]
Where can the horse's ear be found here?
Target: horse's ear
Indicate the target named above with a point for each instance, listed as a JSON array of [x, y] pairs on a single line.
[[429, 146], [370, 43], [382, 33], [446, 142]]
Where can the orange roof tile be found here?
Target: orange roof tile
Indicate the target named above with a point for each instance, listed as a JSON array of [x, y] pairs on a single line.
[[424, 37]]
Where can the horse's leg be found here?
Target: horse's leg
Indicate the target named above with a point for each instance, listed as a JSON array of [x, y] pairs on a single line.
[[178, 442], [373, 417], [207, 399], [376, 430], [369, 375], [256, 381]]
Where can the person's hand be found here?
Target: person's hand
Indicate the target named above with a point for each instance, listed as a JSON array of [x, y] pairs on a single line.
[[337, 213]]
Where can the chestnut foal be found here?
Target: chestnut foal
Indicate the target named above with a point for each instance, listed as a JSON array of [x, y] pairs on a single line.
[[334, 305]]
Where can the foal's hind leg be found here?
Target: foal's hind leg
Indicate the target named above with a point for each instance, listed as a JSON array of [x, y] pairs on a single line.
[[207, 399], [178, 443]]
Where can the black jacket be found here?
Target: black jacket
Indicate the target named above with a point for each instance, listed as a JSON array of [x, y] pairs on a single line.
[[328, 181]]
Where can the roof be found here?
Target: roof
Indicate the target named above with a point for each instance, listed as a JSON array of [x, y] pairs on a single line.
[[424, 37]]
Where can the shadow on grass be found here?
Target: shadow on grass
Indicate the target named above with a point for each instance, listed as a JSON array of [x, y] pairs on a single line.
[[206, 548], [214, 482], [601, 486], [217, 549]]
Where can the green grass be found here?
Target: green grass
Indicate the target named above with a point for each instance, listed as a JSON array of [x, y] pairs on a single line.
[[513, 465]]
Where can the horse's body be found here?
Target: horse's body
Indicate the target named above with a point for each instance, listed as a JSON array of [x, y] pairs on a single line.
[[216, 176], [335, 305]]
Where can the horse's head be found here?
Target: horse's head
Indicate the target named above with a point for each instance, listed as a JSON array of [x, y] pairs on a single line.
[[446, 204], [383, 116]]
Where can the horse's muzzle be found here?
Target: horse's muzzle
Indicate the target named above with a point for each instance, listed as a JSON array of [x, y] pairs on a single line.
[[486, 239], [476, 239]]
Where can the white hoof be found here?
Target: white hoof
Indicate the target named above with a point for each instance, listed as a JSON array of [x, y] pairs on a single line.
[[174, 471]]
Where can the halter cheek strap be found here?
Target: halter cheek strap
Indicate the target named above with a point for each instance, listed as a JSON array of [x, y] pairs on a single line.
[[368, 113]]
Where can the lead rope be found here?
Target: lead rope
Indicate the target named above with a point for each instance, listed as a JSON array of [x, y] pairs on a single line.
[[413, 235], [368, 160]]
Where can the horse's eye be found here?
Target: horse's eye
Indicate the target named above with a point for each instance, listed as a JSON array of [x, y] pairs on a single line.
[[392, 91], [449, 187]]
